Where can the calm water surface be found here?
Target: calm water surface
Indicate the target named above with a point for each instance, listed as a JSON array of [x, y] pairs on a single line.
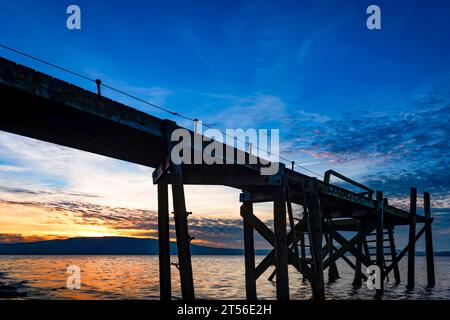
[[216, 277]]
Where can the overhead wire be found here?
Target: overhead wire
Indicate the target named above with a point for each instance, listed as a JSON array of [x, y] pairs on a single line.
[[161, 108]]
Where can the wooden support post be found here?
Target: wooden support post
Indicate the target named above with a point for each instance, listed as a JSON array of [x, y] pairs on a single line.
[[164, 242], [249, 252], [302, 235], [357, 281], [181, 225], [183, 238], [99, 87], [412, 242], [333, 273], [429, 241], [366, 247], [292, 235], [302, 243], [280, 245], [316, 235], [379, 240], [390, 230]]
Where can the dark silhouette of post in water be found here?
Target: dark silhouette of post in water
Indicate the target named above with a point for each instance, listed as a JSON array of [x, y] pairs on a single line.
[[412, 238], [181, 225], [281, 246], [333, 273], [316, 236], [379, 240], [357, 280], [390, 231], [249, 252], [164, 242], [428, 240], [48, 109]]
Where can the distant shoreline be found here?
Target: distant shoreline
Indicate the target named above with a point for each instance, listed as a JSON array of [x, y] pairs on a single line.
[[122, 246], [108, 246]]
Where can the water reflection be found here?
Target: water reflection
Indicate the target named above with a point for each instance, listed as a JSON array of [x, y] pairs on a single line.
[[216, 277]]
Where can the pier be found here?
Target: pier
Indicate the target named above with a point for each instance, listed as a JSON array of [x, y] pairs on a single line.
[[41, 107]]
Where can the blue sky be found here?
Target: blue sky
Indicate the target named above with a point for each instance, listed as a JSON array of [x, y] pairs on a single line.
[[373, 104]]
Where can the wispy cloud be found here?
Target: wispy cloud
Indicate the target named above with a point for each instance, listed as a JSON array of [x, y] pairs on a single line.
[[53, 173], [10, 168], [17, 237], [257, 111], [406, 146], [61, 219]]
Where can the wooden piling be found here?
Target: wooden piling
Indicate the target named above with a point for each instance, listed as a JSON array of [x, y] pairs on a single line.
[[249, 253], [303, 243], [183, 238], [302, 236], [99, 87], [181, 225], [412, 240], [281, 247], [316, 235], [357, 280], [164, 242], [390, 230], [379, 240], [429, 240], [333, 273]]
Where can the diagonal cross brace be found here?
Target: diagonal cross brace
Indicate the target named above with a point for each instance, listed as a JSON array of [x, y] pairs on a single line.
[[347, 246], [351, 264], [269, 236], [405, 250]]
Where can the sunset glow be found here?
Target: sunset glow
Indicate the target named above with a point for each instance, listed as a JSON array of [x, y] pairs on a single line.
[[343, 99]]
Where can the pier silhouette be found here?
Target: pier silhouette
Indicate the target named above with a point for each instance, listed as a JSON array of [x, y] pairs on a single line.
[[41, 107]]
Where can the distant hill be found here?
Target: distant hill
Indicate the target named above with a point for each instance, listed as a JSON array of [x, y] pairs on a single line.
[[118, 246], [104, 246]]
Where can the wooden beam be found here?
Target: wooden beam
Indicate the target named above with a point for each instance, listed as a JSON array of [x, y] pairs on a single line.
[[429, 241], [259, 226], [161, 170], [256, 196], [249, 252], [265, 264], [232, 175], [412, 242], [164, 242]]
